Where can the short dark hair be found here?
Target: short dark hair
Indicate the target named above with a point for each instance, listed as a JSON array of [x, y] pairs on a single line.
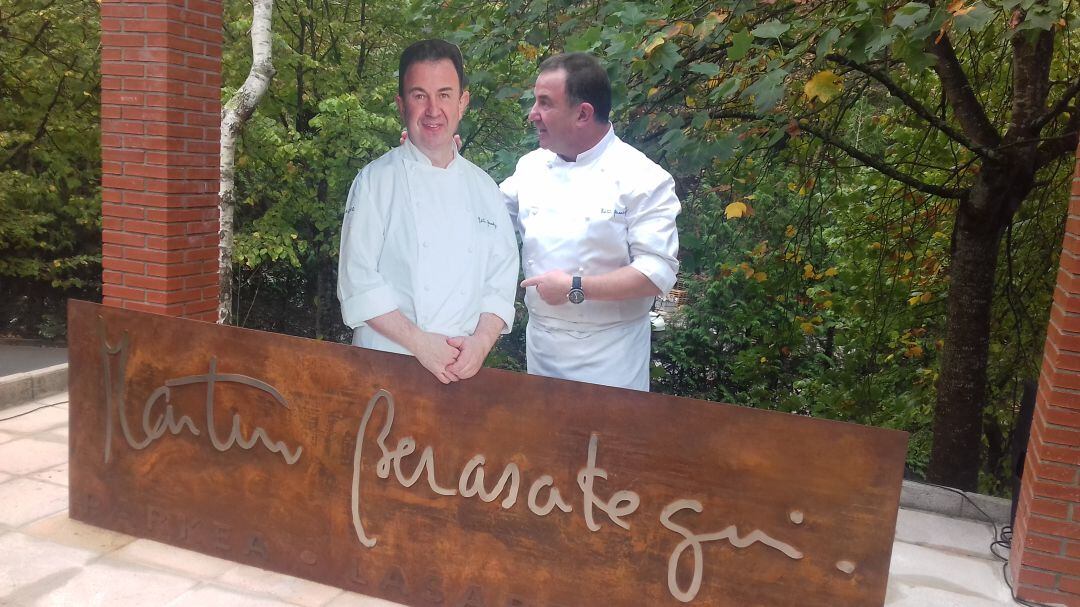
[[430, 50], [586, 81]]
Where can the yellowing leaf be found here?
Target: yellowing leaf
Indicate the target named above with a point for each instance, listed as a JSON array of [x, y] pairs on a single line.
[[926, 297], [831, 272], [808, 270], [824, 86], [875, 246], [737, 209], [807, 328], [914, 299], [908, 256], [654, 44], [762, 359], [914, 351], [790, 231], [761, 276]]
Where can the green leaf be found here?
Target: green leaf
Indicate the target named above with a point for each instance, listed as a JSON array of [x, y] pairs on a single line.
[[771, 29], [705, 69], [975, 20], [767, 91], [740, 45], [825, 44], [631, 15], [725, 89], [910, 14], [584, 41]]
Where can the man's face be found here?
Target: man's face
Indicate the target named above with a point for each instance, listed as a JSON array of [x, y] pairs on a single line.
[[553, 114], [433, 105]]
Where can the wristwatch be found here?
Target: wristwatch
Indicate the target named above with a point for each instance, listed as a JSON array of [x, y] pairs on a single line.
[[576, 295]]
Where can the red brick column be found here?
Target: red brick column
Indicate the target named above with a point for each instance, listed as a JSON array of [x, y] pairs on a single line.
[[1045, 559], [160, 117]]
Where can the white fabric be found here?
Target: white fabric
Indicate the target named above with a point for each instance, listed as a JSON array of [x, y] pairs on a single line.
[[612, 207], [434, 243], [615, 356]]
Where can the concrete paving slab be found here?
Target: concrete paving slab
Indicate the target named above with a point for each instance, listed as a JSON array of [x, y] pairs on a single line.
[[214, 596], [951, 535], [63, 530], [27, 455], [172, 558], [27, 500], [962, 575], [57, 475], [55, 435], [287, 588], [351, 599], [37, 559], [108, 584], [906, 595]]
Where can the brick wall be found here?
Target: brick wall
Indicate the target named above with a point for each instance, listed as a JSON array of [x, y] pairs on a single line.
[[1045, 559], [160, 117]]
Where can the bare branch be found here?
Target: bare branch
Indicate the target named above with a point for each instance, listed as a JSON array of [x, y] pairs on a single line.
[[1059, 107], [914, 104]]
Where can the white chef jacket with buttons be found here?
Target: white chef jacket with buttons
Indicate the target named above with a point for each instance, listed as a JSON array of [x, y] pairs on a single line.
[[612, 207], [434, 243]]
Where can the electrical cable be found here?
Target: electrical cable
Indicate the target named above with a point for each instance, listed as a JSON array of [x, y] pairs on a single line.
[[1002, 538], [4, 419]]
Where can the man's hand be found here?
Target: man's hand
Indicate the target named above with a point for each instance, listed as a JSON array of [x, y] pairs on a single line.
[[474, 350], [437, 355], [551, 286]]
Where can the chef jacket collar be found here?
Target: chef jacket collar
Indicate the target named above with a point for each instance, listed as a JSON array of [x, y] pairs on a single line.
[[592, 153], [416, 155]]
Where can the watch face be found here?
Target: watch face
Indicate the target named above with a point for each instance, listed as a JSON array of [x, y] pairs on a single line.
[[576, 296]]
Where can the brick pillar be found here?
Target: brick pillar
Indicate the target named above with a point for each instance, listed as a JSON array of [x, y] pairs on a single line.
[[1045, 560], [160, 120]]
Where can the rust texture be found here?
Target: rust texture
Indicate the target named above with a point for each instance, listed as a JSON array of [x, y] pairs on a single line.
[[243, 445]]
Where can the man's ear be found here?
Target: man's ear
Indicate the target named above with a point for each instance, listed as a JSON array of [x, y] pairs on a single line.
[[585, 112], [463, 103], [400, 107]]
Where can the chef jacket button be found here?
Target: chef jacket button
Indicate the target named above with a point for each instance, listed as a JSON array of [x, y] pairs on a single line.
[[427, 288], [425, 244], [469, 249], [586, 218]]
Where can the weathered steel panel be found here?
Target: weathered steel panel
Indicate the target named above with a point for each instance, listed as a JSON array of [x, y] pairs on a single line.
[[358, 469]]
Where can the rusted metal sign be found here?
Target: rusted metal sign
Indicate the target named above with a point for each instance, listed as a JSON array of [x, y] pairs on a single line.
[[358, 469]]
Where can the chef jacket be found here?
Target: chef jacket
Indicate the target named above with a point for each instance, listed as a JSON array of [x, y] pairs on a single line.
[[612, 207], [434, 243]]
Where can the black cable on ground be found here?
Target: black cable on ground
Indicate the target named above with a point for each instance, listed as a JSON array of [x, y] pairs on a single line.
[[1002, 538], [4, 419]]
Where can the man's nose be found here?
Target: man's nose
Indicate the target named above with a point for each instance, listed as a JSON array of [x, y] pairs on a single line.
[[534, 114], [430, 108]]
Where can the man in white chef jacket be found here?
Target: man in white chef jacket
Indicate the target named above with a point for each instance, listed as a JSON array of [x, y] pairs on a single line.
[[428, 256], [597, 221]]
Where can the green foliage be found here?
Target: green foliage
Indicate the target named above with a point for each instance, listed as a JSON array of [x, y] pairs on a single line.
[[50, 171]]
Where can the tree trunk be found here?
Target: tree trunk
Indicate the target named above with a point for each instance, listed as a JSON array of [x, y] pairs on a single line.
[[233, 117], [961, 389]]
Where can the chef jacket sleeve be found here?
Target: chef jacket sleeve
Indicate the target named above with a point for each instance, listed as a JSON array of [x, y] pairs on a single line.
[[651, 231], [363, 292]]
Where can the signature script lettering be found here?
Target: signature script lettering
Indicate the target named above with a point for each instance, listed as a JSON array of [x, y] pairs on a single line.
[[167, 420], [471, 479], [694, 541]]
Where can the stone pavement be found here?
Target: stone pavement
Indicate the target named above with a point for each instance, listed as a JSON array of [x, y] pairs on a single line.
[[47, 559]]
